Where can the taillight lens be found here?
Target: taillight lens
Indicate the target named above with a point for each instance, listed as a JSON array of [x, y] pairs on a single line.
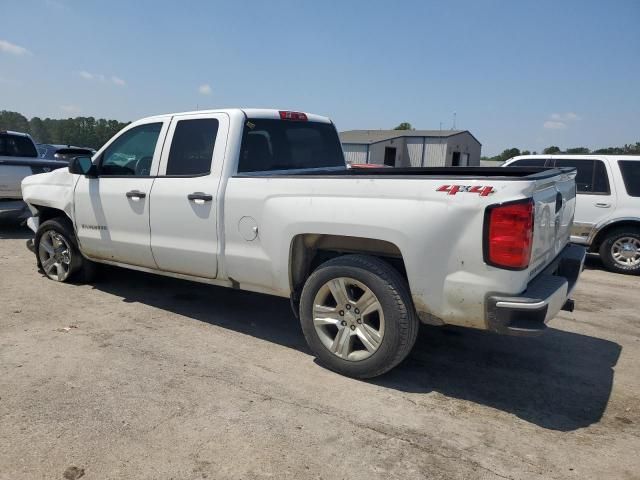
[[299, 116], [509, 235]]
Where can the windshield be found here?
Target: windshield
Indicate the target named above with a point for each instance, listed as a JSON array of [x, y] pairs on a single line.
[[288, 145], [16, 146]]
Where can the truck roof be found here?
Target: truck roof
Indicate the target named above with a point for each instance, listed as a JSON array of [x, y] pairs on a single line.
[[267, 113], [588, 156]]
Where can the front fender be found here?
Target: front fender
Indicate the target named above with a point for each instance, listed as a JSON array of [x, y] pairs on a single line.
[[53, 189]]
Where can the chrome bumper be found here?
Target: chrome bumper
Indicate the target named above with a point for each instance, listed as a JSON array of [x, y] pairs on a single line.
[[547, 294]]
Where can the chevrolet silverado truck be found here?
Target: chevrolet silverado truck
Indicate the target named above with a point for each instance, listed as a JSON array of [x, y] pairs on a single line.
[[261, 200], [18, 159], [607, 219]]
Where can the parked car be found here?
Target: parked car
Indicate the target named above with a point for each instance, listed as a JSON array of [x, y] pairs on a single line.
[[261, 200], [607, 218], [18, 159], [62, 152]]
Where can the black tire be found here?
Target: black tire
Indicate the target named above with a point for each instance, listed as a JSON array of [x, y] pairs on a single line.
[[392, 292], [606, 250], [80, 269]]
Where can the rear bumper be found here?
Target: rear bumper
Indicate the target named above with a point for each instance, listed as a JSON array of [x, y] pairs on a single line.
[[545, 296]]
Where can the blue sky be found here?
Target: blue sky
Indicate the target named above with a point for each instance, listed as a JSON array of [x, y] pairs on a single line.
[[526, 73]]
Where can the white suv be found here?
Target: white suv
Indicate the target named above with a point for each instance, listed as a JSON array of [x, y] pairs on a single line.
[[607, 217]]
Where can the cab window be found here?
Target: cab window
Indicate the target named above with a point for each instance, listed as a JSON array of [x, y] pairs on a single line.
[[192, 147], [288, 145], [132, 152]]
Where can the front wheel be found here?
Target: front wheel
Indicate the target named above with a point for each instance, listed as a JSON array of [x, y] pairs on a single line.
[[620, 251], [357, 316], [57, 252]]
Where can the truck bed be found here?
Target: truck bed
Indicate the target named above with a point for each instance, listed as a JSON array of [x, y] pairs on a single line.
[[496, 173]]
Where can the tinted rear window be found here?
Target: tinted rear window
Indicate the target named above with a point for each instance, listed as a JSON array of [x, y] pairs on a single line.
[[288, 145], [591, 176], [192, 147], [16, 146], [631, 175]]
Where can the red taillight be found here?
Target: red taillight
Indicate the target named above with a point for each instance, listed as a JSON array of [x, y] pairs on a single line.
[[509, 235], [284, 115]]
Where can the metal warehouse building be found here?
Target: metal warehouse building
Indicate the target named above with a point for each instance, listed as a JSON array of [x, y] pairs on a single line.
[[411, 148]]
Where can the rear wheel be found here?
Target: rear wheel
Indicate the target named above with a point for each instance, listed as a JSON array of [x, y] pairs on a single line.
[[620, 251], [357, 316], [57, 252]]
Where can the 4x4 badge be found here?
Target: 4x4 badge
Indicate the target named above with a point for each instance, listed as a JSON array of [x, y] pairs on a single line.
[[483, 191]]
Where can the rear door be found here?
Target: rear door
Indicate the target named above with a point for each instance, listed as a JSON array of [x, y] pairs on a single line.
[[112, 210], [596, 199], [184, 207]]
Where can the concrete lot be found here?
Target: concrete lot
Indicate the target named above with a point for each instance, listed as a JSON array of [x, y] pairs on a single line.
[[139, 376]]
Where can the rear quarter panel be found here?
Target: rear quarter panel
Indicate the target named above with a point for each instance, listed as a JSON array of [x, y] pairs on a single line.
[[439, 235]]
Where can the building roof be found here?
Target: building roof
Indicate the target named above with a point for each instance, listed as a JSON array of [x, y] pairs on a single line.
[[375, 136]]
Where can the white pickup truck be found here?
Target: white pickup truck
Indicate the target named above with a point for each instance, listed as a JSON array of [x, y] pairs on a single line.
[[261, 200], [18, 159], [607, 218]]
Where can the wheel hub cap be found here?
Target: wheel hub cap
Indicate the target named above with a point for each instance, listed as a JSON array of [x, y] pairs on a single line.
[[348, 319], [55, 255], [626, 251]]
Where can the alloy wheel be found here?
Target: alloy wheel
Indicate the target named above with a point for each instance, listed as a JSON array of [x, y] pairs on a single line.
[[625, 251], [55, 255], [348, 318]]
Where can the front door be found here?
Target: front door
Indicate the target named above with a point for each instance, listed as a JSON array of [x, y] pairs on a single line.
[[112, 210], [184, 206]]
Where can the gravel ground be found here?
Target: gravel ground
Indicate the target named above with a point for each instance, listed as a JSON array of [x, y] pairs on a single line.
[[140, 376]]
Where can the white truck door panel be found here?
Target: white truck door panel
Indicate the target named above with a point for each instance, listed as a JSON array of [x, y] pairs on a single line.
[[112, 211], [184, 207]]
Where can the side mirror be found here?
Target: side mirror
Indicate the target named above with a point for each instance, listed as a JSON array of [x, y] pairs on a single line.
[[82, 166]]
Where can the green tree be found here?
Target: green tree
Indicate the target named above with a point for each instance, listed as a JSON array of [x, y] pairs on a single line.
[[404, 126], [13, 121], [551, 150], [509, 153], [525, 152], [578, 150], [38, 130], [80, 131]]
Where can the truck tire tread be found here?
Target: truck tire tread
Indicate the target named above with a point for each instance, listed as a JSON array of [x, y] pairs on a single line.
[[397, 290]]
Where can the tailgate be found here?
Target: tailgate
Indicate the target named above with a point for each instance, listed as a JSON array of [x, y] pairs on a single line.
[[555, 203]]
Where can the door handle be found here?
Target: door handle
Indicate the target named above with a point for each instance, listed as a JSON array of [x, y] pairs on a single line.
[[199, 197], [136, 194], [603, 205]]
